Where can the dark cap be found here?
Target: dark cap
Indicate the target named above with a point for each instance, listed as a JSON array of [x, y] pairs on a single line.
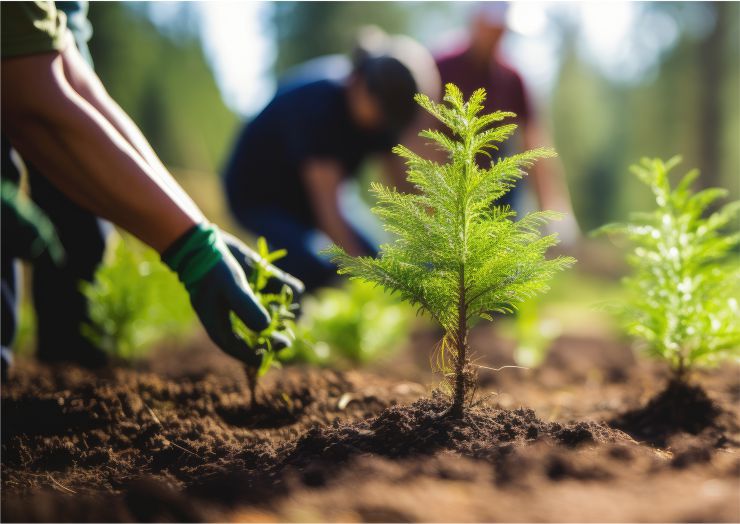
[[394, 69]]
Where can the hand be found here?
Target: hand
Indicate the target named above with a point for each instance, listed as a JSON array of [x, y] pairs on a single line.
[[248, 259], [568, 230], [30, 234], [217, 287]]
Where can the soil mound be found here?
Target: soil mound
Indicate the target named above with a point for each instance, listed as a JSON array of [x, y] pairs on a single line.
[[422, 428], [679, 408], [398, 432]]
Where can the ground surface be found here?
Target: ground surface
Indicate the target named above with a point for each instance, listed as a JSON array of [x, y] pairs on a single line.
[[176, 440]]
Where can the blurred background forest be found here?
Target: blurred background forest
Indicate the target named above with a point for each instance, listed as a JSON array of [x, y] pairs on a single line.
[[612, 82]]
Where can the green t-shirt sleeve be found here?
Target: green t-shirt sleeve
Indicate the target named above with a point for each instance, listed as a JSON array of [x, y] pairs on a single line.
[[31, 27]]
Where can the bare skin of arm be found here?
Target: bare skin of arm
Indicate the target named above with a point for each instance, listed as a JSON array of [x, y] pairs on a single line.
[[550, 186], [322, 179], [85, 155], [83, 79]]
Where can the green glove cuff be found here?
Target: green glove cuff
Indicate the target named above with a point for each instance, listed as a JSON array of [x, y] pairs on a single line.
[[194, 254]]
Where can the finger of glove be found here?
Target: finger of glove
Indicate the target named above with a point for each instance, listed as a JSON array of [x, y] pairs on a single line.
[[222, 334], [244, 304], [241, 300], [240, 255], [280, 278], [248, 260], [280, 341]]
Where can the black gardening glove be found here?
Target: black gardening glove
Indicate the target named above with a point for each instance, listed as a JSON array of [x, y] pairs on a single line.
[[217, 287], [248, 260]]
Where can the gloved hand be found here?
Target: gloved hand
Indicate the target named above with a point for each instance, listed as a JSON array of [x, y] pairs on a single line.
[[248, 260], [217, 286], [27, 231]]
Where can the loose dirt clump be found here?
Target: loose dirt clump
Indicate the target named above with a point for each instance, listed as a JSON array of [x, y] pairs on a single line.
[[422, 428], [679, 408]]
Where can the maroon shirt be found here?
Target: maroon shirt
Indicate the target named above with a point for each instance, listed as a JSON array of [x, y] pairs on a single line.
[[504, 87]]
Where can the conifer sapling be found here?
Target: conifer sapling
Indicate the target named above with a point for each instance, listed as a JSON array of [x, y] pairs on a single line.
[[685, 281], [457, 255], [281, 308]]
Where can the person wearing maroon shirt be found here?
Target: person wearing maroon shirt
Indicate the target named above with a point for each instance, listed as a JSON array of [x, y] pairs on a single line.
[[478, 64]]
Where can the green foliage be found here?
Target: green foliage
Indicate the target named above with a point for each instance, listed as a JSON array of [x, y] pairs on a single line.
[[279, 305], [354, 325], [305, 30], [686, 278], [134, 301], [458, 256], [164, 82]]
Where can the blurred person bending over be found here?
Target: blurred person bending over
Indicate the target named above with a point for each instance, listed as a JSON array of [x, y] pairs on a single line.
[[284, 177], [478, 64], [58, 116]]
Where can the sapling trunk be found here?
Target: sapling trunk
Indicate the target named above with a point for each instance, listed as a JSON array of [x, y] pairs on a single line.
[[281, 307], [251, 373], [461, 342]]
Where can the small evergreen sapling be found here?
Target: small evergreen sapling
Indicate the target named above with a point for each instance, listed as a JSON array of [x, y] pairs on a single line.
[[457, 255], [685, 278], [281, 308]]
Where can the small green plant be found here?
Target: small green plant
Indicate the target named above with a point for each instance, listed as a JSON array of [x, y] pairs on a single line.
[[685, 278], [352, 325], [279, 305], [134, 301], [458, 256]]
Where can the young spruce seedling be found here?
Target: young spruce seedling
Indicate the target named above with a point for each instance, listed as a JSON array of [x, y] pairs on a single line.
[[457, 255], [281, 307], [685, 279]]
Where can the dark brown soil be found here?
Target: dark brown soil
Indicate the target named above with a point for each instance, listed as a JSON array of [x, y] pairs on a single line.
[[680, 408], [176, 440]]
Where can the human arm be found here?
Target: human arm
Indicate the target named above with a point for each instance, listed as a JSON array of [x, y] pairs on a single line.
[[86, 83], [322, 179], [550, 186], [81, 152]]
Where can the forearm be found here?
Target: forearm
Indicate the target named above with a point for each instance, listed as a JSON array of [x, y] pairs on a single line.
[[339, 231], [86, 83], [323, 179], [74, 146], [551, 189], [547, 176]]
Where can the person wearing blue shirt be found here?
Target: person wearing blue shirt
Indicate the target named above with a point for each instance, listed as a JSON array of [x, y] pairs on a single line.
[[284, 176]]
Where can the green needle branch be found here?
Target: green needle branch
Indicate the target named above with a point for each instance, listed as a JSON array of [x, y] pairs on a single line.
[[685, 282], [457, 255]]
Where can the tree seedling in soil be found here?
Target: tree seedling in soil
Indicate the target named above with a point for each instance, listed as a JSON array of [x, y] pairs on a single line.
[[279, 305], [457, 255], [685, 278]]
